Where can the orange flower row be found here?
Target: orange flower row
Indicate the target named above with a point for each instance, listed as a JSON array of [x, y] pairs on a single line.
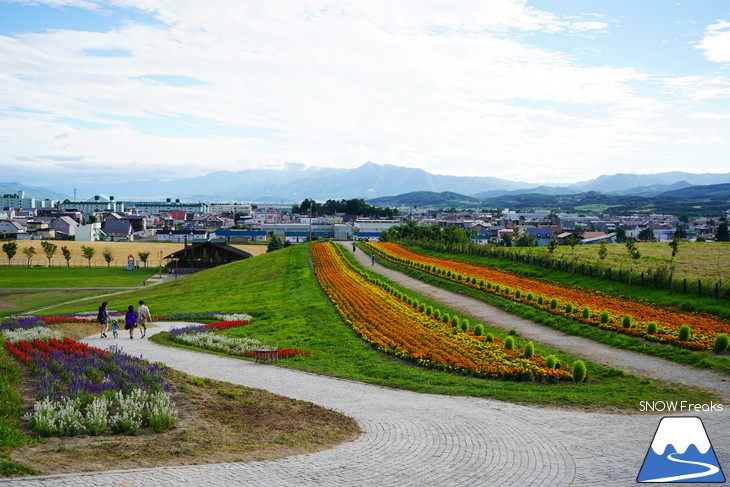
[[539, 294], [393, 326]]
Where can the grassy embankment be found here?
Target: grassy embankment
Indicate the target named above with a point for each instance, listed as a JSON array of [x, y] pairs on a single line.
[[571, 327], [289, 309]]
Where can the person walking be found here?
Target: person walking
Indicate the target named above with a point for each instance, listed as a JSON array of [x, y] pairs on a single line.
[[143, 317], [130, 321], [372, 258], [103, 319]]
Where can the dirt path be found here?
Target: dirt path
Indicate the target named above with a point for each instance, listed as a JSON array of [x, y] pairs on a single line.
[[631, 362]]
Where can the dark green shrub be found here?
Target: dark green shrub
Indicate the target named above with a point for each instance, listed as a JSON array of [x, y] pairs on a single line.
[[509, 343], [530, 296], [446, 318], [518, 294], [550, 361], [684, 333], [586, 312], [429, 311], [437, 314], [497, 287], [540, 300], [456, 322], [513, 333], [651, 328], [507, 290], [569, 307], [481, 283], [478, 330], [489, 338], [489, 285], [464, 325], [579, 371], [529, 350], [422, 308], [626, 321], [554, 303], [605, 317], [721, 343]]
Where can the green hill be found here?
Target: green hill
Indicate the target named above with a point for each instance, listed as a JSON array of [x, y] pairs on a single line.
[[446, 199]]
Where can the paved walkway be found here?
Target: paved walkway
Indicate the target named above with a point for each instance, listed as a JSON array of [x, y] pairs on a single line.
[[631, 362], [410, 439]]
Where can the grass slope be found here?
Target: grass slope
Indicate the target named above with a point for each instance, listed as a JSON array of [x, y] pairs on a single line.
[[70, 277]]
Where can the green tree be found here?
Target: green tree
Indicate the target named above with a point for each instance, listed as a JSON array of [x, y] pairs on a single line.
[[10, 249], [602, 250], [29, 253], [143, 256], [620, 234], [634, 254], [49, 249], [646, 234], [274, 244], [674, 244], [66, 255], [108, 256], [722, 234], [88, 253], [552, 245]]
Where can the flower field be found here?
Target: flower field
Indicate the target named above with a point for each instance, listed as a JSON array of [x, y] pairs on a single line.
[[590, 307], [81, 389], [199, 336], [384, 318]]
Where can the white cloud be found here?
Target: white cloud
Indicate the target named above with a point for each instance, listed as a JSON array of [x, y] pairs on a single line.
[[713, 139], [716, 42], [443, 87], [710, 116]]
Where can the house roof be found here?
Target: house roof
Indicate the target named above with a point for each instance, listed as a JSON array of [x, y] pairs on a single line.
[[213, 246], [117, 227]]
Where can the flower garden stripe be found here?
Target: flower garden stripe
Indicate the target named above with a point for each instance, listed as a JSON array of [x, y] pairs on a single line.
[[705, 327], [395, 327]]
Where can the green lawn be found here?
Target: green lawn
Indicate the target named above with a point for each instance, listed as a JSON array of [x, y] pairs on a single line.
[[72, 277], [15, 302], [290, 310]]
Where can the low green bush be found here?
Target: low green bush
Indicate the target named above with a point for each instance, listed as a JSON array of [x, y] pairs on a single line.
[[605, 317], [626, 321], [478, 330], [509, 343], [529, 350], [721, 343], [586, 312], [579, 371], [684, 333], [651, 328]]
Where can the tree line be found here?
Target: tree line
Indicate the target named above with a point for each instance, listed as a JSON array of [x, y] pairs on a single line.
[[349, 207]]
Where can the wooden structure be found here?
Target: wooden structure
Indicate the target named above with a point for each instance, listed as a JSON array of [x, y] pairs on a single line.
[[203, 255]]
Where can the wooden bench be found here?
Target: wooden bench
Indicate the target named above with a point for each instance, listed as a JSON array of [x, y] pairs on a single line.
[[266, 355]]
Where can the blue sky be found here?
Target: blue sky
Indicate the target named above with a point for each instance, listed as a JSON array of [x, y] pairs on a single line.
[[539, 90]]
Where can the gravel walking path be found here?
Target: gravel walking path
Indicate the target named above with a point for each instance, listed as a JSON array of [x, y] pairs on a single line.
[[628, 361]]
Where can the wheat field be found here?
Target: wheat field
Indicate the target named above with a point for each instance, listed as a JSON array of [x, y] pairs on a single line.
[[120, 250]]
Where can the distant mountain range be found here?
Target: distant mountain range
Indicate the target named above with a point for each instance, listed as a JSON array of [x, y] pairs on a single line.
[[709, 200], [30, 191], [369, 181]]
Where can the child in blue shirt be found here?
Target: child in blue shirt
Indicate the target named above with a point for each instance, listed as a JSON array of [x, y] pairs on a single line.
[[115, 328], [130, 321]]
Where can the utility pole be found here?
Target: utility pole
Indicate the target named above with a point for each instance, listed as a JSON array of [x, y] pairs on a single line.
[[74, 194]]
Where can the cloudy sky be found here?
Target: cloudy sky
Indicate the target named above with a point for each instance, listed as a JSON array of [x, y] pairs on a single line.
[[536, 91]]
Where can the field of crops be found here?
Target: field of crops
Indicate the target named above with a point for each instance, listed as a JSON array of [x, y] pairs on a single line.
[[709, 261], [120, 250]]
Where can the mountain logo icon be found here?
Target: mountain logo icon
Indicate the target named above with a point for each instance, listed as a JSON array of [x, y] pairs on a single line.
[[681, 452]]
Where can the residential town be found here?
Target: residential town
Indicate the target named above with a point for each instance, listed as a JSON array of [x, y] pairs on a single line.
[[104, 218]]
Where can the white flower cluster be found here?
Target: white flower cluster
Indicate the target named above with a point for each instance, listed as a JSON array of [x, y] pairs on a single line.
[[233, 316], [139, 408], [30, 334], [56, 418], [220, 343]]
